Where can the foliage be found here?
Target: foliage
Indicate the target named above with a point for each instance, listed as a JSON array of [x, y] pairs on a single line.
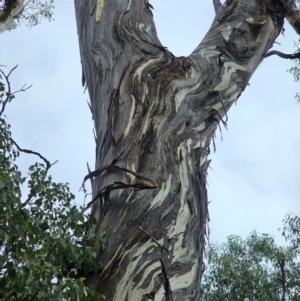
[[295, 71], [45, 251], [34, 11], [254, 268]]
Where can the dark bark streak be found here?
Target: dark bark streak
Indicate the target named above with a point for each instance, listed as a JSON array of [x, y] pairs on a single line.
[[83, 81], [166, 281]]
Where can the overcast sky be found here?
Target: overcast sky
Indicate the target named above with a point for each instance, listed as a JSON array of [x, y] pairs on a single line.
[[255, 173]]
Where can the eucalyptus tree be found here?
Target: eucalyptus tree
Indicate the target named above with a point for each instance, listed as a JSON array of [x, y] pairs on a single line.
[[155, 117]]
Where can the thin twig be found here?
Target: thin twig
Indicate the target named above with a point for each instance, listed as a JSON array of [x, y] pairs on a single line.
[[8, 92], [160, 245], [23, 89], [10, 72]]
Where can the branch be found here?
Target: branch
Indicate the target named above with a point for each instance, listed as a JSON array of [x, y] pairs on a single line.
[[117, 185], [48, 164], [283, 55], [217, 5], [9, 93], [283, 279], [23, 89], [114, 167]]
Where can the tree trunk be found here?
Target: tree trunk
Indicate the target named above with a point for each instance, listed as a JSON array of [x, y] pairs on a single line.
[[155, 116]]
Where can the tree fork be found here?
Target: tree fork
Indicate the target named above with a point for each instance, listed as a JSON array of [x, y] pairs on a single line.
[[160, 112]]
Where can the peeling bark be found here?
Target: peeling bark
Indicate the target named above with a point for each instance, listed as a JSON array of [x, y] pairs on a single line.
[[155, 115]]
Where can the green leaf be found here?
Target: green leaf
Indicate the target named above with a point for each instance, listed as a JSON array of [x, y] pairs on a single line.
[[2, 185], [11, 273], [46, 237], [3, 282]]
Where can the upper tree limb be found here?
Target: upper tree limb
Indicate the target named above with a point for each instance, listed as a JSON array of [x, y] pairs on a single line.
[[217, 5]]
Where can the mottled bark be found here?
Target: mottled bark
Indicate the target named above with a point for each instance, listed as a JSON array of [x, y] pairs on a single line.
[[155, 116]]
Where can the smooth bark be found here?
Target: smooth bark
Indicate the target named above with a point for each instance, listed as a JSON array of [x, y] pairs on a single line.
[[155, 116]]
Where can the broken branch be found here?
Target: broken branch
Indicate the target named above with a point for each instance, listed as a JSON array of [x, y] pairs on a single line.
[[117, 185], [115, 167]]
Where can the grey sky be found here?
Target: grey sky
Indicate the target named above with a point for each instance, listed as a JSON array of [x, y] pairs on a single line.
[[254, 180]]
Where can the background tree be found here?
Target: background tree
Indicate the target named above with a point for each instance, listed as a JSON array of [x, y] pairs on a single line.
[[155, 116], [254, 268], [45, 253]]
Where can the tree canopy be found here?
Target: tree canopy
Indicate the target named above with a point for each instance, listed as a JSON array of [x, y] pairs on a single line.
[[254, 268], [46, 252]]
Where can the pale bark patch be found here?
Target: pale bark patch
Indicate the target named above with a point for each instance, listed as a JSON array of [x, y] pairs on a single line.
[[229, 68], [99, 9], [162, 194]]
